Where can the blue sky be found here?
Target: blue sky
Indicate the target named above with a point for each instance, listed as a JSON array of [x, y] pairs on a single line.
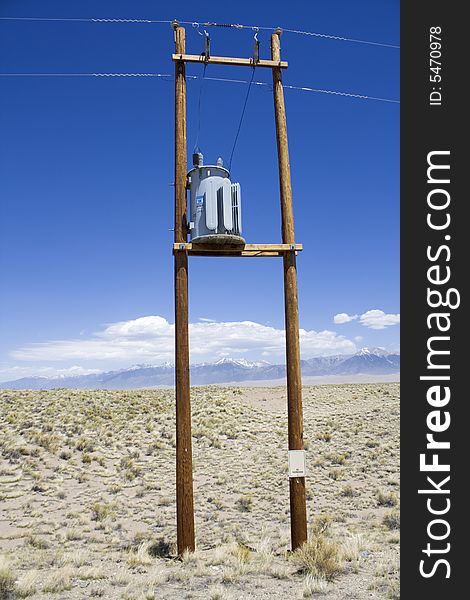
[[86, 165]]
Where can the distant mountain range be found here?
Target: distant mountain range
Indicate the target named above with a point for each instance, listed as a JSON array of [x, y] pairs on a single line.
[[368, 361]]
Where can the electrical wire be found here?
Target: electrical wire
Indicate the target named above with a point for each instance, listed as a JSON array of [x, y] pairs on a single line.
[[241, 119], [209, 24], [167, 77], [336, 93], [341, 39], [196, 148], [160, 75], [87, 20], [294, 31], [306, 89]]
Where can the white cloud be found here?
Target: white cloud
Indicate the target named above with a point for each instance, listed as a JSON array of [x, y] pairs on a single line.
[[341, 318], [9, 372], [377, 319], [151, 340], [374, 319]]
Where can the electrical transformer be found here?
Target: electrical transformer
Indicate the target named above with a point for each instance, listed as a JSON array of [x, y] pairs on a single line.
[[215, 210]]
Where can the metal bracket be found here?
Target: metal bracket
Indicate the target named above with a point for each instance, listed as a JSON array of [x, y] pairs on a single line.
[[256, 47], [207, 45], [206, 53], [174, 25]]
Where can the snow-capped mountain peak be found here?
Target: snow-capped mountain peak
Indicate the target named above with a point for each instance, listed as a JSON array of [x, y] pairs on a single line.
[[241, 362], [373, 352]]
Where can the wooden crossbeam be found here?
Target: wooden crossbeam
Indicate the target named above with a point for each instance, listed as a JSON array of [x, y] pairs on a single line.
[[229, 60], [248, 250]]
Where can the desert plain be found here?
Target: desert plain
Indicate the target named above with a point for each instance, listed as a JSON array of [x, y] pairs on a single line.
[[87, 495]]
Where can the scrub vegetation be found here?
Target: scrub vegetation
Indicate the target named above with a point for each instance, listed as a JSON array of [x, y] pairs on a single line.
[[87, 504]]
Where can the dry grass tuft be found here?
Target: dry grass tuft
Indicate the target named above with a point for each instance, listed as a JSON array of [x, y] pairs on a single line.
[[387, 498], [7, 579], [319, 556], [321, 524], [244, 503], [78, 558], [90, 573], [217, 592], [59, 580], [161, 549], [391, 520], [314, 585], [101, 511], [120, 578], [140, 556], [387, 578], [27, 584], [352, 547]]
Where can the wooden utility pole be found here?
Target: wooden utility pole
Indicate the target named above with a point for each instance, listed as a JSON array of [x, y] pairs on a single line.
[[182, 249], [184, 461], [294, 384]]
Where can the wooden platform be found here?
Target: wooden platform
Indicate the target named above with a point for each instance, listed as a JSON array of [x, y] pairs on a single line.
[[229, 60], [249, 250]]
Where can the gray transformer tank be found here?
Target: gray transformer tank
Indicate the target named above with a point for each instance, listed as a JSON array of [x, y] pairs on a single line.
[[215, 209]]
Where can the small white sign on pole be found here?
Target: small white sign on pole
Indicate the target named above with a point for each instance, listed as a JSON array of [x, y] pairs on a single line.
[[296, 463]]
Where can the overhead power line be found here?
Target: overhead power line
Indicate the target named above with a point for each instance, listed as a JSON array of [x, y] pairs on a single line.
[[336, 93], [209, 24], [75, 19], [168, 76], [163, 75], [295, 31], [241, 120], [196, 143]]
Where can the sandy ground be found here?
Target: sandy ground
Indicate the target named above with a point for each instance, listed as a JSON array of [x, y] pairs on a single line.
[[87, 494], [320, 380], [306, 380]]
